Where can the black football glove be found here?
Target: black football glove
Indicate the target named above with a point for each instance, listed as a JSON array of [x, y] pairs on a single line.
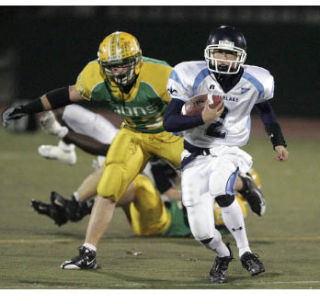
[[12, 113]]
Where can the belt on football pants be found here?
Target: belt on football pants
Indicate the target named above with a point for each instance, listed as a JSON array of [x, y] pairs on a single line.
[[195, 151]]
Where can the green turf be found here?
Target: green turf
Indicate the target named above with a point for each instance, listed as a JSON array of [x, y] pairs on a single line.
[[287, 238]]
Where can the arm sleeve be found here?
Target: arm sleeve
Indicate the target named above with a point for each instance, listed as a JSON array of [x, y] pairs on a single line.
[[175, 122], [266, 112], [271, 125]]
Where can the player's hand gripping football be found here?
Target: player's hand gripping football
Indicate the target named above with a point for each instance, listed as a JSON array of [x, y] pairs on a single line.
[[283, 153], [211, 113], [12, 113]]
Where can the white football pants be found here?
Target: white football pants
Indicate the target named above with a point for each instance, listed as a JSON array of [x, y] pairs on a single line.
[[204, 179]]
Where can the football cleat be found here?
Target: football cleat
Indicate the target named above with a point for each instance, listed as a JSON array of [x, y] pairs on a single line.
[[253, 195], [73, 210], [85, 260], [219, 269], [50, 210], [251, 263], [65, 155]]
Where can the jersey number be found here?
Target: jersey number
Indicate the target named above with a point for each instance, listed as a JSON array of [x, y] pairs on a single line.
[[215, 129]]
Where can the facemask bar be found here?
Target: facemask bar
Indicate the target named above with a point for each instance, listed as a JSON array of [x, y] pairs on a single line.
[[128, 76], [233, 66]]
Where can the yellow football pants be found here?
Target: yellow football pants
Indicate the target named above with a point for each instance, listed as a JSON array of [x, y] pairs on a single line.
[[148, 213], [129, 153]]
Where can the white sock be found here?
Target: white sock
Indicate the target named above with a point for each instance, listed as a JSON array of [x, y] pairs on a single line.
[[76, 196], [63, 131], [217, 245], [233, 219], [90, 246]]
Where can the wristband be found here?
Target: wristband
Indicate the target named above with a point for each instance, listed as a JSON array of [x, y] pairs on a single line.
[[275, 134]]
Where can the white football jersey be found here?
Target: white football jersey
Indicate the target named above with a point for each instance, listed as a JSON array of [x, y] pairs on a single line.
[[192, 78]]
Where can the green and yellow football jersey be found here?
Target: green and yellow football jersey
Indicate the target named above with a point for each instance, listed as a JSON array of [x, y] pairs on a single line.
[[142, 109]]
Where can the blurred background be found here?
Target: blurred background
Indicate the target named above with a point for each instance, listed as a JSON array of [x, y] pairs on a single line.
[[45, 47]]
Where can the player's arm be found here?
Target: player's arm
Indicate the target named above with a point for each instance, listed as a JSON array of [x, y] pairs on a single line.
[[174, 121], [273, 129], [52, 100]]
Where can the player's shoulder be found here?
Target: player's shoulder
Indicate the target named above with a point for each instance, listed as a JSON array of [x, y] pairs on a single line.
[[92, 72], [261, 79], [154, 69], [153, 61], [257, 72], [89, 78]]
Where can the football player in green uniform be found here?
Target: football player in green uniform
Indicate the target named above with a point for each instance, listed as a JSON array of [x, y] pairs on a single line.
[[135, 88]]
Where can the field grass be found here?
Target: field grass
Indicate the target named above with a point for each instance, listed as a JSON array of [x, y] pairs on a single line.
[[287, 238]]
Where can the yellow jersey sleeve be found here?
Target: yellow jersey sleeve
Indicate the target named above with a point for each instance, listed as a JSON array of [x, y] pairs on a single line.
[[88, 79]]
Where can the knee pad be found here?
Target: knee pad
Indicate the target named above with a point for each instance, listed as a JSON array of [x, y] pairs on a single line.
[[206, 241], [225, 200], [212, 243]]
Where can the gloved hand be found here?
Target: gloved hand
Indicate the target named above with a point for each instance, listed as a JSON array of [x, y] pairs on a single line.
[[12, 113]]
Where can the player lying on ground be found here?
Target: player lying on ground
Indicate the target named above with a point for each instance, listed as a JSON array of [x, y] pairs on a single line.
[[146, 211], [61, 209]]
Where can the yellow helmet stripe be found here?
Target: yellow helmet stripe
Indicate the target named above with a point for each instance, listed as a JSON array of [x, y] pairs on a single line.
[[118, 50]]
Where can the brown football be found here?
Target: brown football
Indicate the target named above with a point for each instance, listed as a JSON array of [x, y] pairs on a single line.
[[195, 105]]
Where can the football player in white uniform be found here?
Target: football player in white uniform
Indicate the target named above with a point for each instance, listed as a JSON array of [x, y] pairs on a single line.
[[212, 158]]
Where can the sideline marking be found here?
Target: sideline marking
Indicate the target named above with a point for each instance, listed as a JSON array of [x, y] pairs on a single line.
[[31, 241], [161, 239]]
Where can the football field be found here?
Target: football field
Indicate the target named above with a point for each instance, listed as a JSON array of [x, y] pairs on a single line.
[[287, 238]]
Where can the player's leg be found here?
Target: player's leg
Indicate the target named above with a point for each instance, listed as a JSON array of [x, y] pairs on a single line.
[[148, 212], [124, 161], [86, 122], [223, 174], [199, 205], [166, 145]]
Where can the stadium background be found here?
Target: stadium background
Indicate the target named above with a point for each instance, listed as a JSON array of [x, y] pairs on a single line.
[[42, 48]]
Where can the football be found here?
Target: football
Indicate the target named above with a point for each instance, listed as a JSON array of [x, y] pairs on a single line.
[[195, 105]]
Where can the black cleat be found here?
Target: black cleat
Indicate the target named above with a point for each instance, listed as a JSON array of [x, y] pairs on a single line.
[[253, 195], [219, 269], [57, 214], [72, 208], [251, 263], [85, 260]]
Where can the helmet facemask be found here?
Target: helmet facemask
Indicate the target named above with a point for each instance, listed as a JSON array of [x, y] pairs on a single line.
[[128, 65], [228, 66]]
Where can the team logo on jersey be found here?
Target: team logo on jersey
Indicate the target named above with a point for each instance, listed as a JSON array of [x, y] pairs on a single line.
[[172, 91], [244, 90], [211, 87], [135, 111]]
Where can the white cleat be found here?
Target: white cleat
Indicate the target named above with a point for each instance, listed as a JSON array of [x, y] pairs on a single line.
[[64, 153]]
